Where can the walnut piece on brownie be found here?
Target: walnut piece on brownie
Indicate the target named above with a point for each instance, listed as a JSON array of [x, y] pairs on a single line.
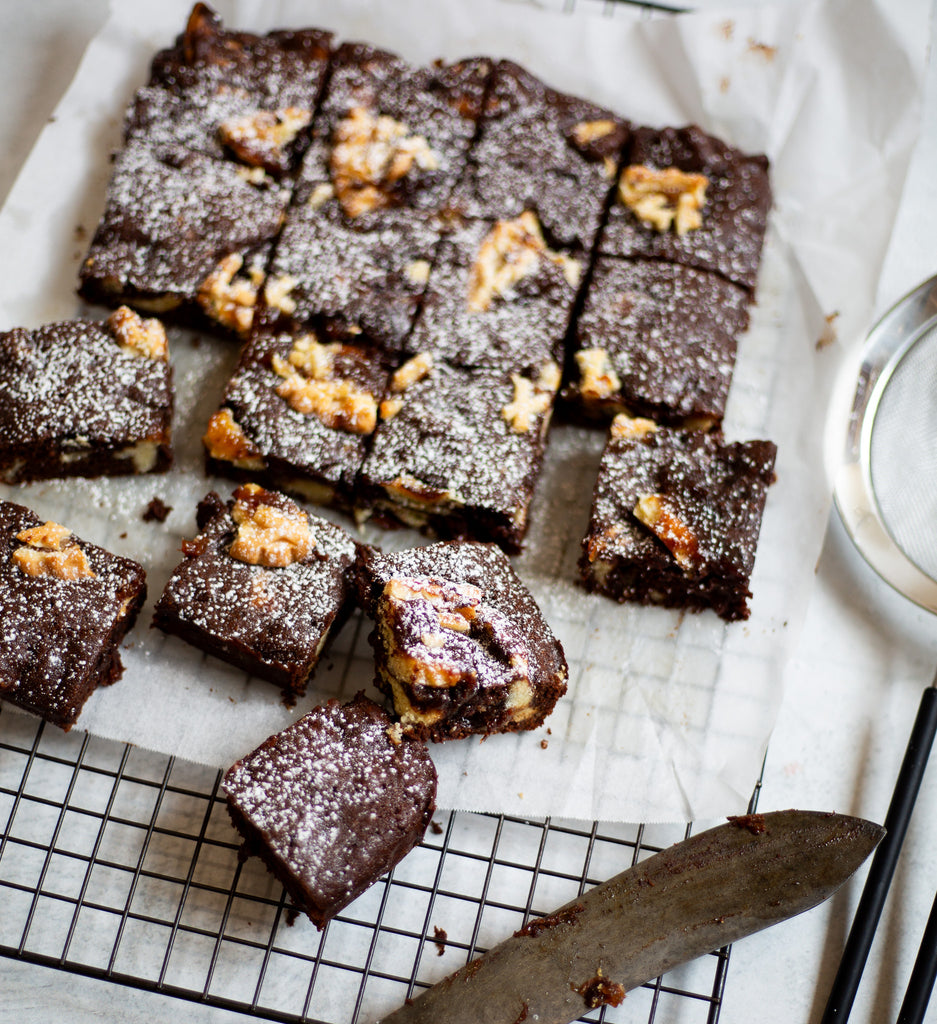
[[85, 398], [264, 586], [65, 607], [460, 644], [675, 518], [332, 803]]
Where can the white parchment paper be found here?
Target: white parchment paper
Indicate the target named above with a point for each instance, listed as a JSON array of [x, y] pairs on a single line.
[[668, 715]]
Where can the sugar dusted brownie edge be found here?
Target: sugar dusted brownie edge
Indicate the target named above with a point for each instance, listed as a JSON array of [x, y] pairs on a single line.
[[332, 803], [65, 614]]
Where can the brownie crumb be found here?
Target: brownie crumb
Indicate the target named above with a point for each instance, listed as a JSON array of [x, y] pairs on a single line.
[[440, 936], [157, 511], [600, 991], [755, 823], [544, 744], [435, 828], [540, 924]]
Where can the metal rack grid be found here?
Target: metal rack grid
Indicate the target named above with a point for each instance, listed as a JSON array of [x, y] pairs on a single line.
[[121, 865]]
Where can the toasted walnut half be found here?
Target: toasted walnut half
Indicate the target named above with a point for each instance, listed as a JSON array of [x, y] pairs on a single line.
[[228, 298], [50, 552], [630, 427], [660, 515], [310, 387], [269, 535], [261, 139], [140, 337], [413, 370], [370, 153], [509, 253], [455, 604], [531, 398], [225, 440], [664, 198], [597, 377]]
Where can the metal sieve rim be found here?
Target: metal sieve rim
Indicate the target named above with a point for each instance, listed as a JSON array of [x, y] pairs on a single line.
[[886, 344]]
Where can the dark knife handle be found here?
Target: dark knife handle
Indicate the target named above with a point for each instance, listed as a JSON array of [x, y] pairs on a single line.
[[869, 911]]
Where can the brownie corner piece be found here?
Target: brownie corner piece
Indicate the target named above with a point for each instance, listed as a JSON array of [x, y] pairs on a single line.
[[461, 647], [65, 606], [263, 586], [676, 517], [332, 803], [85, 398]]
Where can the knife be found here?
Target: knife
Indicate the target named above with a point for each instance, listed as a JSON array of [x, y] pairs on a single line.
[[683, 902]]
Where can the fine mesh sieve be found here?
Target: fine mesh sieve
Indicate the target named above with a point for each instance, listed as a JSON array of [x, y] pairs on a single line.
[[886, 493]]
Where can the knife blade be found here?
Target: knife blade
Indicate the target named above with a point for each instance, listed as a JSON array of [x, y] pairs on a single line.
[[691, 898]]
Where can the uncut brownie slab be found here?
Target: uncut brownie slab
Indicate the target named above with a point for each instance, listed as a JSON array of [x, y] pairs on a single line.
[[332, 803], [85, 398], [65, 606], [460, 644], [694, 200], [297, 414], [264, 585], [657, 339], [539, 149], [388, 145], [457, 452], [675, 518], [497, 296]]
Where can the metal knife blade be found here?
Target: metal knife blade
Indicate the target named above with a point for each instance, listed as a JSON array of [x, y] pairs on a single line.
[[689, 899]]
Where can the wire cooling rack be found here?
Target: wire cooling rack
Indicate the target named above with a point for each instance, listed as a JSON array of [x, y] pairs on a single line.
[[122, 865]]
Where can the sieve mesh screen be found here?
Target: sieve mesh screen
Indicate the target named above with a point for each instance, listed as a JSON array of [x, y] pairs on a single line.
[[903, 453]]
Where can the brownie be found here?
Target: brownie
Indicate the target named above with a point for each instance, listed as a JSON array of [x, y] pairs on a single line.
[[356, 283], [542, 150], [457, 452], [732, 219], [297, 414], [200, 190], [264, 586], [65, 607], [82, 398], [675, 518], [188, 239], [332, 803], [497, 296], [389, 135], [460, 644], [657, 339]]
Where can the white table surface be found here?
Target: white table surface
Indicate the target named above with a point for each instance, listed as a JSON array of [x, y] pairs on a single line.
[[851, 694]]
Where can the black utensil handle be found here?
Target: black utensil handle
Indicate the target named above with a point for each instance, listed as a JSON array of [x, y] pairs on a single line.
[[921, 983], [869, 911]]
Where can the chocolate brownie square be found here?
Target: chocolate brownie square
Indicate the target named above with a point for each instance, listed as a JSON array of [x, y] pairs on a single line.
[[232, 95], [457, 452], [657, 339], [460, 644], [65, 607], [188, 239], [389, 135], [332, 803], [497, 296], [297, 414], [82, 398], [690, 198], [675, 518], [264, 586], [539, 149]]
